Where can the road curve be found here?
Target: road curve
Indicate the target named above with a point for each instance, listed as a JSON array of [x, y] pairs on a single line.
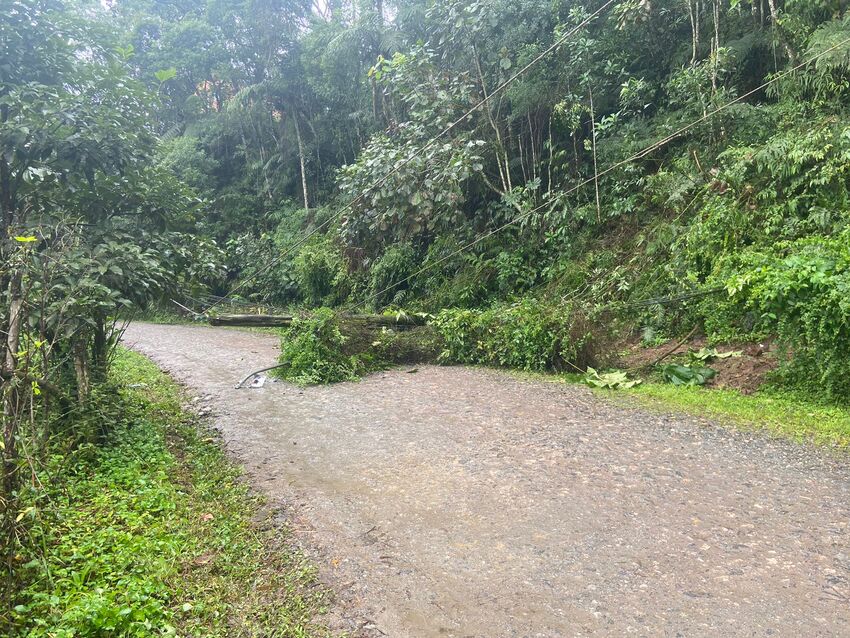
[[460, 502]]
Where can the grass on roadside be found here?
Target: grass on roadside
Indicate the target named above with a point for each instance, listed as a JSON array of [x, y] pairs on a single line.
[[774, 410], [151, 533]]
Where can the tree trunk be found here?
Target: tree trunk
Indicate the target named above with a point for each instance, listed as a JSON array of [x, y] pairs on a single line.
[[99, 349], [501, 153], [81, 369], [283, 321], [774, 17], [303, 161], [551, 156], [715, 47], [694, 11], [11, 394], [6, 200], [595, 166], [13, 334]]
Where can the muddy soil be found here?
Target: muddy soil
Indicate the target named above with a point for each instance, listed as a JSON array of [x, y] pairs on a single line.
[[465, 503], [746, 373]]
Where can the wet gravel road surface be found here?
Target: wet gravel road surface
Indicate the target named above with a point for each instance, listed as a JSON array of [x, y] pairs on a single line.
[[466, 503]]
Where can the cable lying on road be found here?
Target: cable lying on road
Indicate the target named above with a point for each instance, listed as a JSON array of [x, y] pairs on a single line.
[[240, 385]]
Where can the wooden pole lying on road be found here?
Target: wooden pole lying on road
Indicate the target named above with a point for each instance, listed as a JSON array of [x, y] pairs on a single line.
[[256, 321], [284, 321]]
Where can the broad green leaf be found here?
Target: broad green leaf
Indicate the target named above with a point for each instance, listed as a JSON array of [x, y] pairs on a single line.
[[165, 75]]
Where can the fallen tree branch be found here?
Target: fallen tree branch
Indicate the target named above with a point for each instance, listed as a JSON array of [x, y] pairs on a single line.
[[672, 350], [660, 301]]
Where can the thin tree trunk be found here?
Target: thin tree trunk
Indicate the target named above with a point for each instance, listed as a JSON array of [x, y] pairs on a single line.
[[6, 200], [694, 12], [522, 160], [502, 155], [302, 160], [595, 166], [81, 369], [715, 46], [13, 336], [99, 349], [11, 396], [533, 148], [551, 156], [774, 17]]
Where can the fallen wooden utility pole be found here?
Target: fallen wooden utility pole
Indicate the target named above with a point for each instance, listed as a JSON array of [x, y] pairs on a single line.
[[284, 321], [252, 321]]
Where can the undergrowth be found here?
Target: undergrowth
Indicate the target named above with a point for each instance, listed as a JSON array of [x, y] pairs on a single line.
[[323, 349], [312, 351], [149, 533], [526, 335]]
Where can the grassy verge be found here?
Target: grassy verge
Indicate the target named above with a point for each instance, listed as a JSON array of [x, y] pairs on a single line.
[[150, 533], [772, 410]]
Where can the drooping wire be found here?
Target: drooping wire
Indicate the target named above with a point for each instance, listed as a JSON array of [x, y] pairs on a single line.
[[411, 156], [640, 154]]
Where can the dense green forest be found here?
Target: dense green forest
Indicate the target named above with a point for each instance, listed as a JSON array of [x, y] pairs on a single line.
[[545, 179], [540, 169]]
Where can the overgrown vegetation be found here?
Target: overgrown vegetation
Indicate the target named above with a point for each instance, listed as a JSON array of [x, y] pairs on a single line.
[[148, 532], [671, 166], [313, 351], [289, 119], [322, 348], [526, 335]]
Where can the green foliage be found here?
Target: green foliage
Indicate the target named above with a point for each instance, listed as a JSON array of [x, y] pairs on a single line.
[[312, 351], [396, 264], [800, 292], [526, 335], [614, 380], [415, 345], [687, 375], [320, 273], [421, 184], [705, 355], [149, 532]]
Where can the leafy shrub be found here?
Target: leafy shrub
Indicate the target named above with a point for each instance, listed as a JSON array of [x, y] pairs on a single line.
[[421, 344], [614, 380], [526, 335], [396, 264], [687, 375], [249, 257], [312, 350], [320, 272], [513, 274], [801, 292], [454, 277]]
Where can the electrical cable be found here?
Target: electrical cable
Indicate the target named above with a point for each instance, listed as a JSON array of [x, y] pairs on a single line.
[[639, 155], [500, 89]]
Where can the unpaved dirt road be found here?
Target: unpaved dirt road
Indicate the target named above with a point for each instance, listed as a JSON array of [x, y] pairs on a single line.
[[461, 502]]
